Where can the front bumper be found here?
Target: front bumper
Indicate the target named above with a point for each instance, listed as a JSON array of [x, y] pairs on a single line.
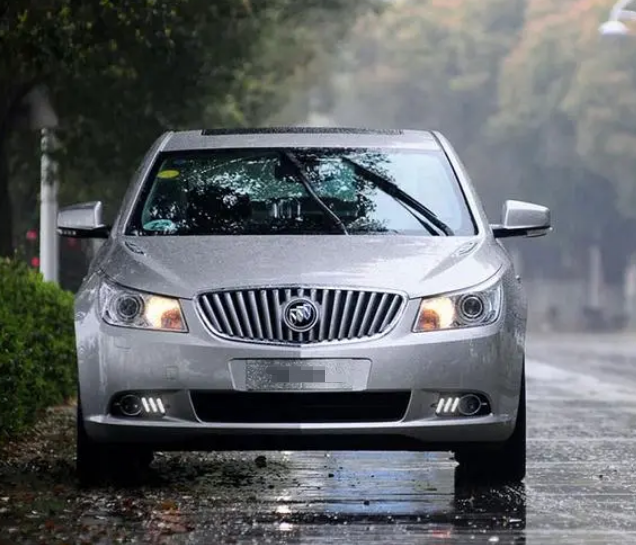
[[487, 360], [417, 435]]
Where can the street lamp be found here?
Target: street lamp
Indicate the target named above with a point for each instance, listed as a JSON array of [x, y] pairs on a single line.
[[615, 25]]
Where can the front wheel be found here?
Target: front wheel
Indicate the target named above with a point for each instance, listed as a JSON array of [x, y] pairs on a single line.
[[97, 462], [503, 463]]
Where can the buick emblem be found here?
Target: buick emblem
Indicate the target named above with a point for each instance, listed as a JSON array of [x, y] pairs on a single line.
[[300, 314]]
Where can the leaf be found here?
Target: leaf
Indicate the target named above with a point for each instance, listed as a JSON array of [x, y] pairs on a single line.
[[168, 505]]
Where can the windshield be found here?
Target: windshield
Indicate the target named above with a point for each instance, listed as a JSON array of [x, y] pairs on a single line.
[[304, 192]]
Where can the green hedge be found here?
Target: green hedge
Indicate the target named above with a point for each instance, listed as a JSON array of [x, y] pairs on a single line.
[[37, 346]]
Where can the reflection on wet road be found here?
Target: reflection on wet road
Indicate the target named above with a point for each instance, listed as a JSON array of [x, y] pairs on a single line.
[[579, 489], [383, 499]]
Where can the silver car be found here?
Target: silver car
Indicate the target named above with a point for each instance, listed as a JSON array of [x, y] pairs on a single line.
[[322, 289]]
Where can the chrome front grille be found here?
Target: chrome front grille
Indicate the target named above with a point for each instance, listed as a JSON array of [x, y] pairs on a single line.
[[286, 315]]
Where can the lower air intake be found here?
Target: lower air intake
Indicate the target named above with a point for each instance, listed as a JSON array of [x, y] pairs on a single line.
[[299, 408]]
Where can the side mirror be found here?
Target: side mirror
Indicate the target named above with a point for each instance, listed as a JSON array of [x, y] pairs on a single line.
[[82, 221], [523, 219]]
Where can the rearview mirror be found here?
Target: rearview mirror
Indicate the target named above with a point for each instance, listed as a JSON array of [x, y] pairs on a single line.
[[523, 219], [82, 221]]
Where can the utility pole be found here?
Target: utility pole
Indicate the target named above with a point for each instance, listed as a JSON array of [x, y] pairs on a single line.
[[629, 290], [596, 277], [44, 120], [49, 247]]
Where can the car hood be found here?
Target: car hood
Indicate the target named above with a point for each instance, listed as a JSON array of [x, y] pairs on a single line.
[[184, 266]]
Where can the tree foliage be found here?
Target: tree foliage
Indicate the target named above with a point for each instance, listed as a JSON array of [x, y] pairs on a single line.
[[122, 72], [574, 92], [567, 96], [37, 347], [539, 106]]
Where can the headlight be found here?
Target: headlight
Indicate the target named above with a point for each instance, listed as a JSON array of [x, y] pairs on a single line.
[[129, 308], [461, 310]]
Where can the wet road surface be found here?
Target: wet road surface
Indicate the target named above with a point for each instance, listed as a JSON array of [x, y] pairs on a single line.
[[579, 489]]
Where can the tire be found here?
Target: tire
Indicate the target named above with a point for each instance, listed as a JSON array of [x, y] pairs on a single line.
[[503, 463], [89, 457], [97, 462]]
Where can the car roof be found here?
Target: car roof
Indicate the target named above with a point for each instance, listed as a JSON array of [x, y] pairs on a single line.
[[299, 137]]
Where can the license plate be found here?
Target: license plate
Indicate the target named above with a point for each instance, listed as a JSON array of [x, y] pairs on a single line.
[[284, 375], [303, 374]]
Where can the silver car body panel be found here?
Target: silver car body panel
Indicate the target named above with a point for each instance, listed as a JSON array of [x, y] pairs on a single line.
[[186, 266], [485, 359]]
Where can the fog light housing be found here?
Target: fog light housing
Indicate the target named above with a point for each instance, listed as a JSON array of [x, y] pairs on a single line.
[[469, 405], [133, 405], [130, 405], [462, 405]]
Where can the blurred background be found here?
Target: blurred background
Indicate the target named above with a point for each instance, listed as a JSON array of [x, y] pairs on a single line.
[[539, 104]]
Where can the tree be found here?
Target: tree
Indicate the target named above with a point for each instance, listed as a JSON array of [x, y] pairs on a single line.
[[57, 40], [566, 98], [123, 72], [432, 64], [537, 105]]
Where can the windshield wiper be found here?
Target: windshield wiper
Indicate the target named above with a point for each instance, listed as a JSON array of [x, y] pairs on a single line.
[[304, 179], [403, 198]]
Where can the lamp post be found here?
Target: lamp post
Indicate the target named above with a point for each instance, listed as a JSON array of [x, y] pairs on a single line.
[[615, 25], [44, 119]]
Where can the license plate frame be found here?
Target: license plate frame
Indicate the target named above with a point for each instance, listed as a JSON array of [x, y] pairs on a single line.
[[304, 374]]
